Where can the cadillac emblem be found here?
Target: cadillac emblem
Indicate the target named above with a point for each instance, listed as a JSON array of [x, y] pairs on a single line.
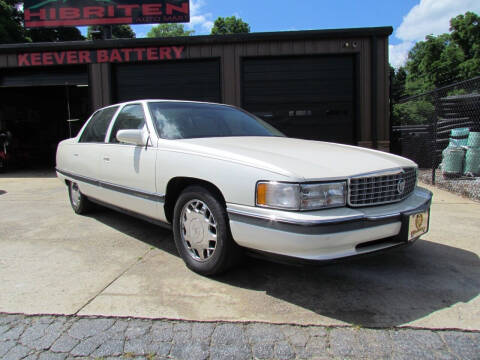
[[401, 186]]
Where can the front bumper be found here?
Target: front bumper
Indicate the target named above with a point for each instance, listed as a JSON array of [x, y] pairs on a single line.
[[326, 234]]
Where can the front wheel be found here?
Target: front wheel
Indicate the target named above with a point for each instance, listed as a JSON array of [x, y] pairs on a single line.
[[80, 203], [201, 232]]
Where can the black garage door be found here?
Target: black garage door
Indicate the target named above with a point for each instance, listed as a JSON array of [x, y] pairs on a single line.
[[183, 80], [304, 97], [44, 76]]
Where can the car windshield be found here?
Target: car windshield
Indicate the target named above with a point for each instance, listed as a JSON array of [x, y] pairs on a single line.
[[177, 120]]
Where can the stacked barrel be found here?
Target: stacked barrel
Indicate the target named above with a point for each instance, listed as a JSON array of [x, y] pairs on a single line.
[[462, 156]]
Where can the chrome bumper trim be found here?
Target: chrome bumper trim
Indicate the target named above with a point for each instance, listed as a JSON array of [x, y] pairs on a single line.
[[271, 218]]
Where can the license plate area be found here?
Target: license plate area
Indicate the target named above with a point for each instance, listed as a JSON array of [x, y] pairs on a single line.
[[417, 224]]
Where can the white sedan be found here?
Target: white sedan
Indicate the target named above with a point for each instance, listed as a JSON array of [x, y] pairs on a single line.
[[227, 182]]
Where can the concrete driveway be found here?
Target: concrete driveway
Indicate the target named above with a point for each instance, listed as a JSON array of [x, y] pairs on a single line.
[[55, 262]]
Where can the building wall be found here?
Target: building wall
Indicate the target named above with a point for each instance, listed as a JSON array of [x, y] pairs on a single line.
[[371, 56]]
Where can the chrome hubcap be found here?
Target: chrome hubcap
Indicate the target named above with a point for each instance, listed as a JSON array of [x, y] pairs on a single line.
[[198, 229], [75, 192]]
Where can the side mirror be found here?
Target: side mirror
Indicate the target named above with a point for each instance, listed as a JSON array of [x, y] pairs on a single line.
[[134, 137]]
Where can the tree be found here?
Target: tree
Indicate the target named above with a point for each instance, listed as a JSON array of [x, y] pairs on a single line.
[[465, 31], [11, 27], [169, 30], [398, 78], [446, 58], [118, 31], [55, 34], [229, 25]]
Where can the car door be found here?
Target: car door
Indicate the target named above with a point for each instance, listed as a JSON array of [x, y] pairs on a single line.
[[85, 158], [128, 171]]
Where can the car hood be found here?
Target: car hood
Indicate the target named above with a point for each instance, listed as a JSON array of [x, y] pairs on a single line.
[[295, 158]]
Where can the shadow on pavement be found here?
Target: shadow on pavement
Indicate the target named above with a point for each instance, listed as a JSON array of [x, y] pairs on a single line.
[[384, 290]]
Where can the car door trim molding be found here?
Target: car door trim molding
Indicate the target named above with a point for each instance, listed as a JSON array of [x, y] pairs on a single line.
[[114, 187]]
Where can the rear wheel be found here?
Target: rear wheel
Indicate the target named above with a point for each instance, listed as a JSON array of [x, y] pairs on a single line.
[[80, 203], [201, 232]]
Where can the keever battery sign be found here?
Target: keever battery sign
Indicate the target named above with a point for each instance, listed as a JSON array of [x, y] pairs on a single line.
[[56, 13]]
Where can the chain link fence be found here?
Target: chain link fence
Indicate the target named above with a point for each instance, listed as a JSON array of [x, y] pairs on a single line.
[[440, 131]]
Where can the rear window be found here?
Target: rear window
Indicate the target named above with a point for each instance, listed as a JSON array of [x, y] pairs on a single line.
[[97, 127]]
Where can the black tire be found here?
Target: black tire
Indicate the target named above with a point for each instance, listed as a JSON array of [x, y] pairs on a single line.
[[226, 253], [80, 203]]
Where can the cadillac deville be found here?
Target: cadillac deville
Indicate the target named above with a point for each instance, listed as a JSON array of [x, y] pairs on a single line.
[[226, 181]]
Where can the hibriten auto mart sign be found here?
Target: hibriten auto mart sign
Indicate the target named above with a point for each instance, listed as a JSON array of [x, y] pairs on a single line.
[[69, 57], [55, 13]]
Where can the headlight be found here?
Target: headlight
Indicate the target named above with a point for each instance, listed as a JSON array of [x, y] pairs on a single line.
[[301, 196]]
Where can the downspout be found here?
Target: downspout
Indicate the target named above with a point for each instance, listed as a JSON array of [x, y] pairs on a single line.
[[374, 81]]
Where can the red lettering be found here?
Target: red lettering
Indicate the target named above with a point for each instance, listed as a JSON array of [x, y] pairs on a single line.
[[93, 11], [47, 58], [102, 56], [152, 54], [182, 9], [128, 8], [139, 52], [42, 14], [126, 53], [178, 50], [151, 9], [36, 59], [22, 60], [111, 11], [84, 57], [53, 13], [115, 56], [69, 13], [72, 57], [59, 57], [165, 53]]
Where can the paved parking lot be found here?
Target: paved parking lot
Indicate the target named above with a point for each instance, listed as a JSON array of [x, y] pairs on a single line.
[[55, 262]]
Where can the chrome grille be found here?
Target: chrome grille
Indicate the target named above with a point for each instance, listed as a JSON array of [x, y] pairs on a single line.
[[381, 189]]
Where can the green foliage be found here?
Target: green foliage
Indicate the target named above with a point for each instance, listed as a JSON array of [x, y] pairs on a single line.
[[398, 78], [118, 31], [465, 30], [11, 27], [413, 112], [229, 25], [446, 58], [55, 34], [169, 30]]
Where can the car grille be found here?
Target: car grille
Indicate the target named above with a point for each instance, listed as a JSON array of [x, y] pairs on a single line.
[[382, 189]]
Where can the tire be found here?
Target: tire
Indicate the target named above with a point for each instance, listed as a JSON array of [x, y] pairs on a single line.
[[3, 165], [80, 203], [202, 233]]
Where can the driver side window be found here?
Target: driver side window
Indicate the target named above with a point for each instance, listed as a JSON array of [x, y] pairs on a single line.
[[130, 117]]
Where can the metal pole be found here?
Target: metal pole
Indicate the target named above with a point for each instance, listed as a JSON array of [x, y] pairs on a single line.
[[434, 140], [67, 93]]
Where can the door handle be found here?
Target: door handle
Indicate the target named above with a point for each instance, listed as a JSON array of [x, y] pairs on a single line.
[[75, 154], [106, 158]]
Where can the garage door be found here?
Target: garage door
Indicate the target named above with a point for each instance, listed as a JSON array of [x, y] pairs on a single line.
[[304, 97], [44, 76], [183, 80]]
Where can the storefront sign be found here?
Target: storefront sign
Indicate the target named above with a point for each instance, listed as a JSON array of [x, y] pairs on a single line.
[[55, 13], [100, 56]]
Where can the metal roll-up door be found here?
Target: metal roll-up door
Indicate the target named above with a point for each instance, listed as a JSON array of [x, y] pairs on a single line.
[[44, 76], [309, 97], [181, 80]]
